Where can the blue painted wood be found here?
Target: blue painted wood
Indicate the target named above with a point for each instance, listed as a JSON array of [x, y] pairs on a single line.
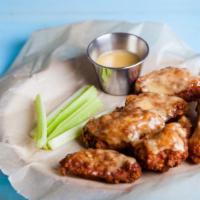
[[19, 18], [6, 190]]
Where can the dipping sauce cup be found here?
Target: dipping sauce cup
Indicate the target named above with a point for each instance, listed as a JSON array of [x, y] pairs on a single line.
[[118, 80]]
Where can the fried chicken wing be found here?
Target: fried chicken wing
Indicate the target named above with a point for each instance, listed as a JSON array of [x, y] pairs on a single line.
[[98, 164], [170, 81], [166, 149], [192, 92], [117, 129], [194, 141], [167, 106], [186, 124]]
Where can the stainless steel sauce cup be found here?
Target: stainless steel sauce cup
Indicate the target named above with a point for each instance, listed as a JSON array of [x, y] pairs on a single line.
[[117, 81]]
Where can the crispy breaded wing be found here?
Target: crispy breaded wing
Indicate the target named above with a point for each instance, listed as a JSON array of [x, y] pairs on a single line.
[[194, 141], [105, 165], [186, 124], [192, 92], [171, 81], [167, 106], [117, 129], [164, 150]]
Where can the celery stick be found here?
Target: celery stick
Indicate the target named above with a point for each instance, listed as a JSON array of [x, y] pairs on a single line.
[[65, 137], [75, 104], [70, 134], [66, 103], [79, 116], [41, 131]]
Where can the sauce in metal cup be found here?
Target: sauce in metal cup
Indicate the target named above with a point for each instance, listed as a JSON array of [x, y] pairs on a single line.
[[117, 80]]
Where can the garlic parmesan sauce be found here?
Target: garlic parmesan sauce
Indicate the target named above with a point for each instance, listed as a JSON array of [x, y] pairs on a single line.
[[118, 58]]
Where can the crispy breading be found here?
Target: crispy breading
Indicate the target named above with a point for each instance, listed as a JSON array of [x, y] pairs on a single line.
[[98, 164], [164, 150], [117, 129], [171, 81], [168, 107], [192, 92], [186, 124], [194, 141]]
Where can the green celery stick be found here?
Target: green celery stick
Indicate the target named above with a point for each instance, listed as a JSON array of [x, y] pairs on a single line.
[[51, 117], [67, 136], [41, 131], [75, 104], [65, 104], [82, 114]]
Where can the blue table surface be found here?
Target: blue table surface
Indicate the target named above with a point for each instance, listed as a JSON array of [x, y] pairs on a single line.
[[19, 18]]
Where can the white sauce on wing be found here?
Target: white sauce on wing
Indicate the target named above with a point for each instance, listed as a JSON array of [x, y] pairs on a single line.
[[104, 160], [126, 126], [169, 80], [166, 106], [172, 137]]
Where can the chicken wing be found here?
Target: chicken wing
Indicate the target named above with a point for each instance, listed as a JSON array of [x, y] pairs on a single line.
[[166, 149], [117, 129], [194, 141], [99, 164], [167, 106], [171, 81]]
